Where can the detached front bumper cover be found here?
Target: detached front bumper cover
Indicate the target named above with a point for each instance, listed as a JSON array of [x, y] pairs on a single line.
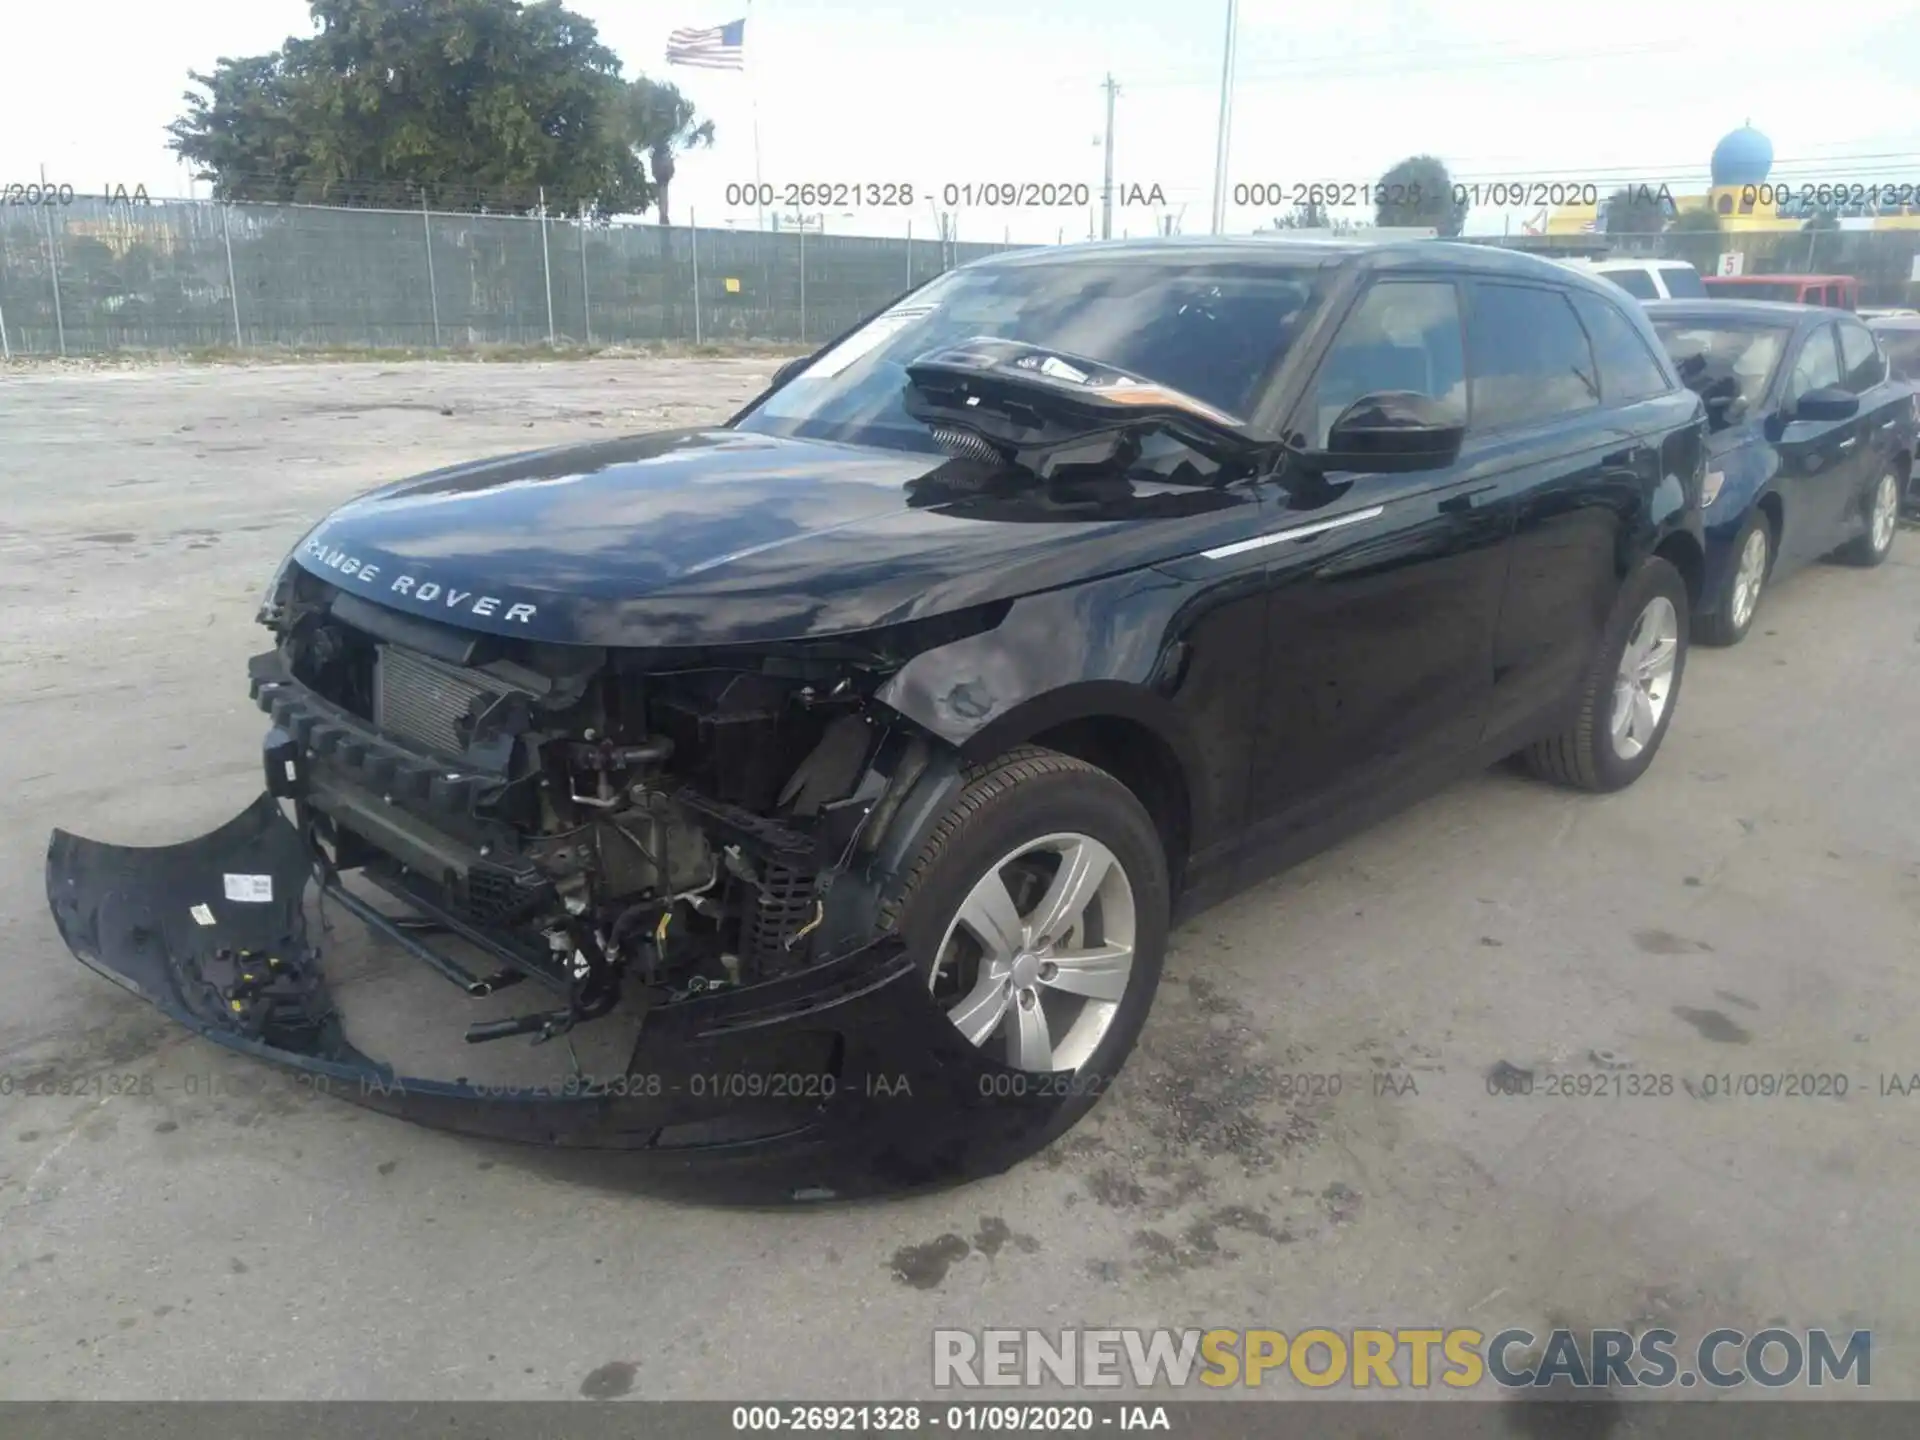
[[841, 1080]]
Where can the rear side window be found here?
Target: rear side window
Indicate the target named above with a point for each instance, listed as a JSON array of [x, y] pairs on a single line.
[[1528, 360], [1861, 367], [1628, 370], [1403, 335], [1636, 283], [1682, 282]]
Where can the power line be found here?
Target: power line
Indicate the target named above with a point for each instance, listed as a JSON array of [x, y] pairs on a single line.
[[1340, 66]]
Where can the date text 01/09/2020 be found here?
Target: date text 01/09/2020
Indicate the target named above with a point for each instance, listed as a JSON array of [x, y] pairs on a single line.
[[34, 192], [1016, 1418], [953, 195], [1262, 193]]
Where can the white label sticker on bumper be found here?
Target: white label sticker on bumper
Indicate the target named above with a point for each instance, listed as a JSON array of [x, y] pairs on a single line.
[[251, 888], [202, 915]]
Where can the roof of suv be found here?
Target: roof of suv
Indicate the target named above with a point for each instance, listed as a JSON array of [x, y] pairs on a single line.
[[1795, 278], [1374, 254], [1750, 312]]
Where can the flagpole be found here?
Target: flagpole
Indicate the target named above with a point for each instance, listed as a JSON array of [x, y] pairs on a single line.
[[759, 210], [753, 107]]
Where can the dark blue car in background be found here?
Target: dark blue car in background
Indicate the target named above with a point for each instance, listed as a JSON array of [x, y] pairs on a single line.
[[1810, 449], [1899, 337]]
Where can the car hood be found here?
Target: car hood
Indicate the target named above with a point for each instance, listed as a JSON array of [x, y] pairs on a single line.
[[706, 537]]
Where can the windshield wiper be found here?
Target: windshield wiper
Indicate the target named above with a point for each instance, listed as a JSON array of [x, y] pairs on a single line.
[[1044, 411]]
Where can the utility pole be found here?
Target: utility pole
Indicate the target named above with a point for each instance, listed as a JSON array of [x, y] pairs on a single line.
[[1226, 122], [1106, 186], [546, 266]]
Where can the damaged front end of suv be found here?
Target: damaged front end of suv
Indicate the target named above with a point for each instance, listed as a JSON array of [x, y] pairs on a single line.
[[852, 754], [589, 827]]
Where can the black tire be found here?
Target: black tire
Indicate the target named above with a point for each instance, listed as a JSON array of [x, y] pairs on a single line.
[[1021, 796], [1719, 628], [1862, 550], [1583, 755]]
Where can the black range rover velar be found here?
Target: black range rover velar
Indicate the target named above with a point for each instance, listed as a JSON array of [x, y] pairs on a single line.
[[857, 754]]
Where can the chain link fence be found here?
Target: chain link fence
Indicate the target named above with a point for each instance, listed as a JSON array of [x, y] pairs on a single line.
[[96, 278]]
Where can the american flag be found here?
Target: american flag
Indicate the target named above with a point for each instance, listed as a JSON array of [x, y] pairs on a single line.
[[719, 47]]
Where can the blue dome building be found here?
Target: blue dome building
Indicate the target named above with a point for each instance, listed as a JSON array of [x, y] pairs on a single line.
[[1743, 157]]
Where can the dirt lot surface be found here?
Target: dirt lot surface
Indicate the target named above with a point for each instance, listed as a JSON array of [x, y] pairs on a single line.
[[1750, 909]]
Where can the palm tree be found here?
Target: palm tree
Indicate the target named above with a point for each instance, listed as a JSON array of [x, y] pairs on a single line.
[[660, 122]]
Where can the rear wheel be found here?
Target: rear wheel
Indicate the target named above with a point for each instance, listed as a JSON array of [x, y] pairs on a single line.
[[1627, 699], [1038, 909], [1740, 595], [1883, 518]]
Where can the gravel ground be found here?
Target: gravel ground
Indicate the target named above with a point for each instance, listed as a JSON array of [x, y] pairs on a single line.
[[1750, 908]]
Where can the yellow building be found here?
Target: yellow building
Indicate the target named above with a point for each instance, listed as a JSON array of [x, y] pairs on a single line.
[[1748, 202]]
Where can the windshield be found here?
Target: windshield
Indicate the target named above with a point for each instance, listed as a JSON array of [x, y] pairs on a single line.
[[1682, 282], [1903, 352], [1732, 363], [1211, 330]]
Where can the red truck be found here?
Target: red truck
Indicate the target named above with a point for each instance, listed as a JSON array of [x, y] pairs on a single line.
[[1838, 292]]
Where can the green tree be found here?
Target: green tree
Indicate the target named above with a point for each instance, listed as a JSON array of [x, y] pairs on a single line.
[[1695, 237], [1311, 215], [661, 121], [1637, 211], [1419, 191], [486, 101]]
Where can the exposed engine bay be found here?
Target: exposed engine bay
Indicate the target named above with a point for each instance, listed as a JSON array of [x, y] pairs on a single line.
[[590, 817]]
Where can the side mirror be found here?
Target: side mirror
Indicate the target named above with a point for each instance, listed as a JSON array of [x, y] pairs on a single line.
[[1391, 432], [1829, 402], [792, 368]]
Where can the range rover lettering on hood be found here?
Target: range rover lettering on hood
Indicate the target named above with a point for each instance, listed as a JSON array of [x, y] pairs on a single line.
[[421, 591]]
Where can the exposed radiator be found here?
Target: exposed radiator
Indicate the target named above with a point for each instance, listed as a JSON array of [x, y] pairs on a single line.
[[421, 701]]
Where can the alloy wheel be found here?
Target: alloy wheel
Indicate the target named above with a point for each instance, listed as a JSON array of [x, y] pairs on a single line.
[[1643, 685], [1886, 512], [1040, 953], [1749, 577]]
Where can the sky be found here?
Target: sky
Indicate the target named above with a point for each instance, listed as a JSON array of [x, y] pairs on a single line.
[[1010, 91]]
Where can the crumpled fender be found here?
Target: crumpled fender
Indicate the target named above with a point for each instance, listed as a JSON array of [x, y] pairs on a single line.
[[1118, 648]]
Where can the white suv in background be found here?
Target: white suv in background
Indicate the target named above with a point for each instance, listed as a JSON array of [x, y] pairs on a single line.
[[1648, 279]]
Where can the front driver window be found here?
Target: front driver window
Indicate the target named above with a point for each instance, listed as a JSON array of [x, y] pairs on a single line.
[[1403, 335], [1817, 367], [1860, 362]]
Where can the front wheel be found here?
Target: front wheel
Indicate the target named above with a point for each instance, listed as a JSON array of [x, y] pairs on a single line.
[[1038, 908], [1626, 702]]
